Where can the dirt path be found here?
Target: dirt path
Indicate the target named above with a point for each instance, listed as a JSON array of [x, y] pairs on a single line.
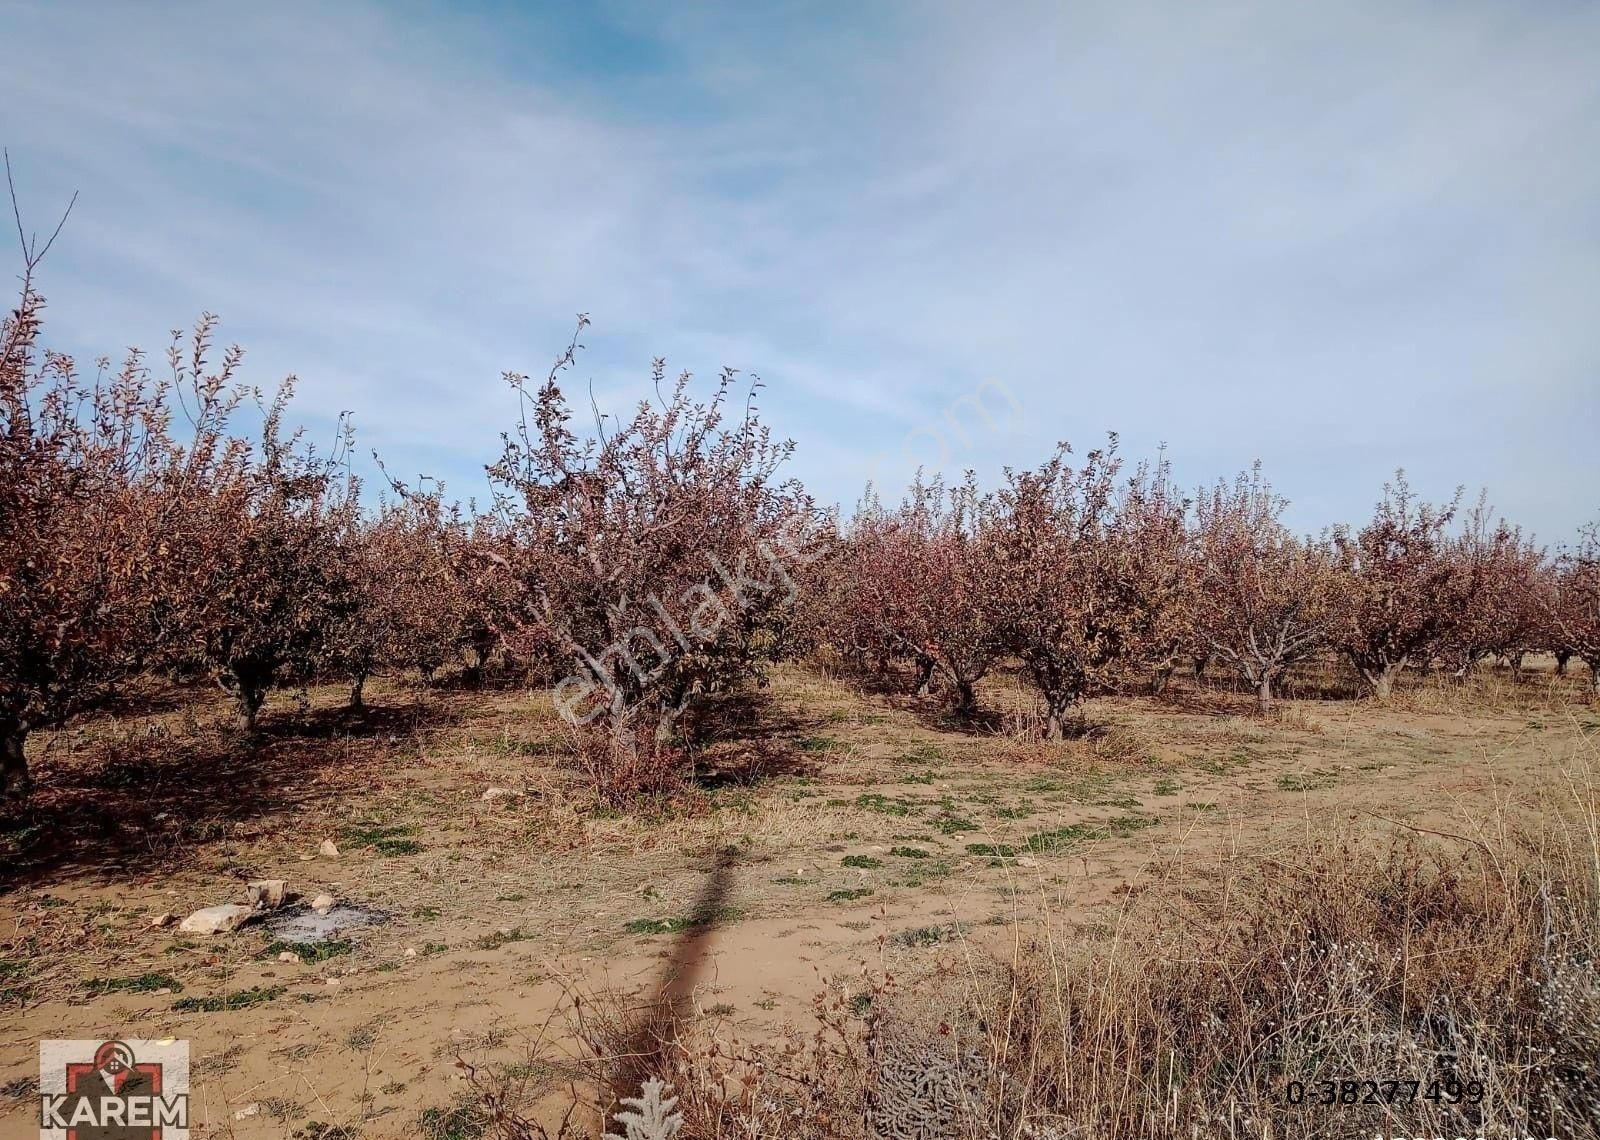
[[881, 838]]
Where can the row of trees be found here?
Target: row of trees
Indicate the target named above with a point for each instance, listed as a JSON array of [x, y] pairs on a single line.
[[132, 545], [1095, 582], [647, 564]]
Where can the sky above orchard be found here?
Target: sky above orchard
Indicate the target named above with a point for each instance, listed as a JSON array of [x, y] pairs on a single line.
[[1337, 238]]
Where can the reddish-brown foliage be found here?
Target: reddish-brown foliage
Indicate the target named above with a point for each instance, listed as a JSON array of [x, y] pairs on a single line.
[[1397, 590], [255, 578], [1065, 581], [919, 587], [1266, 598], [1574, 602], [653, 554]]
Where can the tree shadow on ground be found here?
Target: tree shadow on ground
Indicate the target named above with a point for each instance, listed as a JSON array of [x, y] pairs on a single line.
[[746, 736], [658, 1019], [119, 800]]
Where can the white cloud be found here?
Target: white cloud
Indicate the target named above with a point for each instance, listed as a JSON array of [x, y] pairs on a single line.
[[1341, 238]]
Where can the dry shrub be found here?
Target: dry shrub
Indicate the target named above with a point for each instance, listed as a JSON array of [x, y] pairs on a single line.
[[1296, 719], [1487, 690], [624, 764]]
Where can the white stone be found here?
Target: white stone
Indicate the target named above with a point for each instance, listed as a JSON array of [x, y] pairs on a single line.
[[288, 956], [216, 919], [322, 904], [329, 849]]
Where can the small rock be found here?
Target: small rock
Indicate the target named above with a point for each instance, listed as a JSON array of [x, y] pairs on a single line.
[[1027, 861], [161, 920], [505, 932], [322, 904], [411, 951], [307, 858], [288, 956], [329, 849], [492, 794], [247, 1111], [333, 983], [216, 919], [266, 894]]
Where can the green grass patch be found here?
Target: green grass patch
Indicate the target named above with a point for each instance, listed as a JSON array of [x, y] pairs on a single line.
[[992, 850], [1302, 782], [310, 952], [1125, 825], [865, 862], [814, 744], [239, 999], [950, 824], [876, 801], [1042, 842], [386, 839], [908, 852], [924, 935], [1015, 811], [849, 895], [498, 938], [673, 925], [138, 984]]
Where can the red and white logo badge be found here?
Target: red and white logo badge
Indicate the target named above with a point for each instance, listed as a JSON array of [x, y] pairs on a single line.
[[114, 1090]]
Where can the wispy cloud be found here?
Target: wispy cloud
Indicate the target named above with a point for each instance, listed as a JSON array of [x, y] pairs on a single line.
[[1340, 238]]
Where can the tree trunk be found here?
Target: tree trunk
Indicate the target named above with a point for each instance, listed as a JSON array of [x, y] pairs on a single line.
[[1514, 660], [1382, 680], [1162, 678], [1561, 662], [249, 696], [924, 675], [1201, 660], [250, 702], [1594, 674], [966, 697], [1264, 693], [15, 783], [356, 687], [667, 723], [1055, 716]]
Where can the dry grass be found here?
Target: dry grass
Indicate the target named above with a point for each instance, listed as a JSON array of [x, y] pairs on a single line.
[[1462, 960]]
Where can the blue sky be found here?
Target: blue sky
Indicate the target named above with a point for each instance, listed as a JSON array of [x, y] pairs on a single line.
[[1337, 238]]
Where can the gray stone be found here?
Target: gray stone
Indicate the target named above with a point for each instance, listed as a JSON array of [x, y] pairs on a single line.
[[267, 894]]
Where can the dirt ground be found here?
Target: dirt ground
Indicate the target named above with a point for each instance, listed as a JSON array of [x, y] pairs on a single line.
[[837, 829]]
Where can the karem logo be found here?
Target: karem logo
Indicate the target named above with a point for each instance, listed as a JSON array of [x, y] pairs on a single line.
[[114, 1090]]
